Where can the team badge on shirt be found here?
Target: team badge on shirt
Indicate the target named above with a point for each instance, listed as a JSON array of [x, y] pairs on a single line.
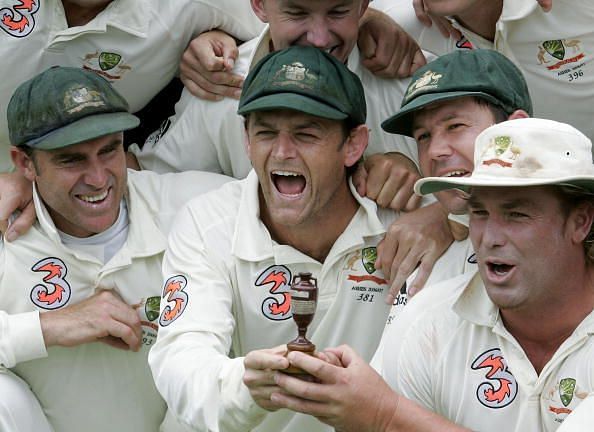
[[19, 20], [177, 299], [561, 396], [277, 279], [563, 57], [110, 65], [500, 388], [55, 291]]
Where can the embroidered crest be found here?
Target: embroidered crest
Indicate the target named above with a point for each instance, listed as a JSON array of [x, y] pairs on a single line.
[[428, 80]]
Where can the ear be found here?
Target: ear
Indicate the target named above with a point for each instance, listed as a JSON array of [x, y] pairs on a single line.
[[518, 114], [246, 138], [259, 10], [579, 222], [355, 145], [23, 163]]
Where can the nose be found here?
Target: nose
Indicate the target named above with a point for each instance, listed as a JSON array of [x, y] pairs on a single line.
[[284, 147], [318, 34], [96, 175], [492, 233], [440, 146]]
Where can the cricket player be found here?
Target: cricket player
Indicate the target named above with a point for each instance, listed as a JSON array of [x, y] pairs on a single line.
[[80, 290], [511, 347]]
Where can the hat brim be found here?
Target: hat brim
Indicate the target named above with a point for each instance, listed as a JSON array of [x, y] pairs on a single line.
[[401, 122], [430, 185], [294, 102], [85, 129]]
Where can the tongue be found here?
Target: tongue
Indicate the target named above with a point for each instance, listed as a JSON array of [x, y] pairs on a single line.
[[290, 185]]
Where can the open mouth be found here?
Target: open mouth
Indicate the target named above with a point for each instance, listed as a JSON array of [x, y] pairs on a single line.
[[457, 173], [288, 183], [94, 198], [499, 269]]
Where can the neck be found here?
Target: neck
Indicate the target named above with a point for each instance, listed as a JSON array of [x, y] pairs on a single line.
[[77, 15], [316, 236], [482, 19], [556, 319]]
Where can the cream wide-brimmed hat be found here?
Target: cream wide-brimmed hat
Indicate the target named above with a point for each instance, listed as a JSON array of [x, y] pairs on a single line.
[[524, 152]]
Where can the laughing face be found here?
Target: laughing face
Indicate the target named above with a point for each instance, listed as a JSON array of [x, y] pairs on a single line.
[[522, 237], [82, 184], [331, 25], [300, 161], [445, 133]]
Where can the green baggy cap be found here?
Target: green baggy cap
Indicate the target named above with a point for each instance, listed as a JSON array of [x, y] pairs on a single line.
[[307, 80], [480, 72], [63, 106]]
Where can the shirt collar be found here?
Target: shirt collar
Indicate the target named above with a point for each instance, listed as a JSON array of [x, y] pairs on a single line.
[[474, 305], [144, 237], [130, 16], [517, 9]]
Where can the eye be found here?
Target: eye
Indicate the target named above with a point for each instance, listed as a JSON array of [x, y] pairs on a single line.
[[339, 13], [455, 126], [422, 137], [517, 215]]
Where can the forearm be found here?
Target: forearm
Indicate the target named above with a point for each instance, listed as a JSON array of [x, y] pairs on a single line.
[[202, 387], [404, 415]]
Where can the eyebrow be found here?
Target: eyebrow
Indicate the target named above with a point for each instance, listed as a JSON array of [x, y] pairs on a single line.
[[473, 201], [66, 155]]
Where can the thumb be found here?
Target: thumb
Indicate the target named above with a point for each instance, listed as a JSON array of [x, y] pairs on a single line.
[[367, 45], [230, 53]]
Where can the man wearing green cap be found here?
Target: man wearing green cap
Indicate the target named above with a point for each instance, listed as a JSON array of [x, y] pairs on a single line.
[[447, 104], [233, 253], [510, 347], [80, 290]]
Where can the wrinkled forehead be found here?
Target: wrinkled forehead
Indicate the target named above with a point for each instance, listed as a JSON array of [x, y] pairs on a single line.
[[316, 4]]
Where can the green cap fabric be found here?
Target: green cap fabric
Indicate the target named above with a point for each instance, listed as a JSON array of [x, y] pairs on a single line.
[[479, 72], [307, 80], [63, 106]]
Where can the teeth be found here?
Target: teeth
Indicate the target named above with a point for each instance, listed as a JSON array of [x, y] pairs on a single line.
[[286, 173], [455, 174], [94, 198]]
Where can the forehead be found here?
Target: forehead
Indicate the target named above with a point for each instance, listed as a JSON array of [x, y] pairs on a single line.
[[314, 4], [286, 117], [87, 147], [532, 196], [465, 107]]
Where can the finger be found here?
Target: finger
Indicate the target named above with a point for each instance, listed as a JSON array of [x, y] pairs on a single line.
[[546, 5], [261, 360], [22, 223], [418, 61], [114, 342], [128, 335], [421, 13], [402, 268], [199, 92], [312, 365], [230, 54], [413, 203], [422, 275], [360, 180], [300, 405], [367, 45]]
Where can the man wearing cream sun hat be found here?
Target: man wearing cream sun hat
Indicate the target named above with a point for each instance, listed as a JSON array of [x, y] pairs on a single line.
[[510, 347]]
